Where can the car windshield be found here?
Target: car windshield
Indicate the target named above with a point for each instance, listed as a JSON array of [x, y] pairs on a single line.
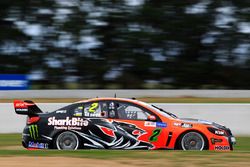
[[164, 112], [161, 111]]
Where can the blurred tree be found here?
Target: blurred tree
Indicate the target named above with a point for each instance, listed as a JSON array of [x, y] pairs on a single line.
[[127, 44]]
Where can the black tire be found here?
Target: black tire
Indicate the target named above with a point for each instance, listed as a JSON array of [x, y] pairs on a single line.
[[192, 141], [67, 141]]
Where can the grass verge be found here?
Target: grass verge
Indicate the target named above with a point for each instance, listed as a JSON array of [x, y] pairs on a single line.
[[10, 146], [9, 141]]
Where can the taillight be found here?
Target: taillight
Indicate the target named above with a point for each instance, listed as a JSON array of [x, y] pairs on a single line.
[[31, 120]]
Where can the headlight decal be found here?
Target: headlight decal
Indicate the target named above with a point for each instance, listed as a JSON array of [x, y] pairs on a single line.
[[218, 132]]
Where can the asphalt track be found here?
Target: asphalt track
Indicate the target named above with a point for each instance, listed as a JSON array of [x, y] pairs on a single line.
[[234, 116]]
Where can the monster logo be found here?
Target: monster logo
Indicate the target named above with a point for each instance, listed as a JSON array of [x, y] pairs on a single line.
[[33, 130]]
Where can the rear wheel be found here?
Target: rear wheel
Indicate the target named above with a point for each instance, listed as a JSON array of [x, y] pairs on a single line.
[[67, 141], [192, 141]]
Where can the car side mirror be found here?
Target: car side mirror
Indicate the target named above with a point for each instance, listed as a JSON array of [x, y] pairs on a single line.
[[151, 118]]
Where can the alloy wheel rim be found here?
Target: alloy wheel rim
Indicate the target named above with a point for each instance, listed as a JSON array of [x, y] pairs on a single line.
[[67, 141], [192, 141]]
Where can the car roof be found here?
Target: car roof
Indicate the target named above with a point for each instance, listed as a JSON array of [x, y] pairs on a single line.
[[109, 98]]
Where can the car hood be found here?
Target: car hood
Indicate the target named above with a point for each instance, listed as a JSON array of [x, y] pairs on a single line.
[[204, 122]]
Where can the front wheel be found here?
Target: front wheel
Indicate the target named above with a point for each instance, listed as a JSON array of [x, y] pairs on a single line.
[[192, 141], [67, 141]]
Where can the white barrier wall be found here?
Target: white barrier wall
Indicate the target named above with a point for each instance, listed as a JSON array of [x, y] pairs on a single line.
[[10, 122], [234, 116], [129, 93]]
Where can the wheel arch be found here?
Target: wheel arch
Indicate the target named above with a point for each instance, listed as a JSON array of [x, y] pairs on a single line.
[[177, 141]]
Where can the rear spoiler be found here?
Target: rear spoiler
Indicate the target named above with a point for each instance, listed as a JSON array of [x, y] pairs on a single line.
[[26, 107]]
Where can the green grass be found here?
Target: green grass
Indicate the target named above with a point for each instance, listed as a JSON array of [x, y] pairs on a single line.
[[7, 140], [243, 144], [10, 145], [10, 140]]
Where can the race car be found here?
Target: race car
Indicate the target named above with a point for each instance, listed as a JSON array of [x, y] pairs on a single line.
[[118, 123]]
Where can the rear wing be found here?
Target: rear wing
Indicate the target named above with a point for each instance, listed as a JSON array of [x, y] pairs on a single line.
[[26, 107]]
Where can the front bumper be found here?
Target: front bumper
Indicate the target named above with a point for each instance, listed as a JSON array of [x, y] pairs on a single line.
[[231, 138], [232, 141]]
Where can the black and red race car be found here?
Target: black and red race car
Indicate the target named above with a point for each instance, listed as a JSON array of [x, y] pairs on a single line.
[[118, 123]]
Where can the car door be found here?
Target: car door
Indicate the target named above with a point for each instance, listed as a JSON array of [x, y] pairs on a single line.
[[133, 118], [99, 131], [104, 131]]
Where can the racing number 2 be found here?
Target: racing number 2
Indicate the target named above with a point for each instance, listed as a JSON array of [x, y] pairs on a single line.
[[155, 134], [93, 107]]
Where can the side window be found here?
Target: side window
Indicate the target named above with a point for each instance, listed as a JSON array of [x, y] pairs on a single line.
[[112, 109], [131, 112], [78, 111], [95, 109]]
